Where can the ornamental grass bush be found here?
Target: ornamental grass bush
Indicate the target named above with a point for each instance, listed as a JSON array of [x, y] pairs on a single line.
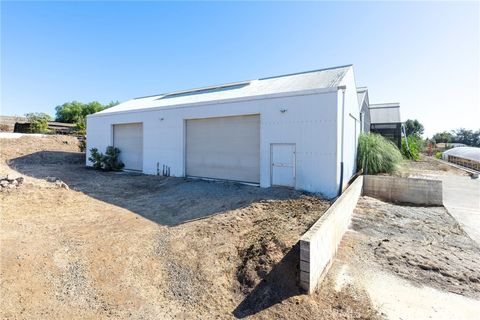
[[377, 154]]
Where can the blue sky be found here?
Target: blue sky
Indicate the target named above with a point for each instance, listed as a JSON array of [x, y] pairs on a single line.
[[423, 55]]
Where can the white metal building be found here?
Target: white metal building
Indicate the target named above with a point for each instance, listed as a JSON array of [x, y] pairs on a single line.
[[286, 130]]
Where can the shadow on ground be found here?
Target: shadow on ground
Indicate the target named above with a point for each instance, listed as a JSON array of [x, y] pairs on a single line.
[[165, 200], [278, 285]]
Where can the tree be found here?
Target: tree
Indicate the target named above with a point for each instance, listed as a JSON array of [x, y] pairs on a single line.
[[443, 137], [38, 122], [414, 127], [476, 138], [462, 135], [468, 137], [77, 112], [74, 111], [69, 112]]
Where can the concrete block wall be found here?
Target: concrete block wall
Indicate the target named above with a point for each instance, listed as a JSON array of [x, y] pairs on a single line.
[[319, 244], [404, 190]]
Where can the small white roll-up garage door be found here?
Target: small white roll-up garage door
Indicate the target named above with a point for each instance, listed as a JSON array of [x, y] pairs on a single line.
[[224, 148], [129, 139]]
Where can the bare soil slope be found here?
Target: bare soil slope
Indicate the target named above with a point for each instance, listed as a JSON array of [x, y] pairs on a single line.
[[125, 246]]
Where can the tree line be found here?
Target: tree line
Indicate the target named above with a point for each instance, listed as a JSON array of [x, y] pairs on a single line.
[[462, 135], [77, 112], [70, 112]]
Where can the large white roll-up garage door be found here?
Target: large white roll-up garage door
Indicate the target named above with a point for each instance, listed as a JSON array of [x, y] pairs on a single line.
[[129, 139], [224, 148]]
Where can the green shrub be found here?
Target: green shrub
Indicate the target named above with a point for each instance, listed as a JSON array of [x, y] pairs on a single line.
[[377, 154], [112, 163], [413, 150], [38, 122], [96, 158], [81, 127], [438, 155], [108, 161]]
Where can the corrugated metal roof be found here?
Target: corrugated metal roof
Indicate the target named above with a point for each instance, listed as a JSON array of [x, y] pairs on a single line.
[[385, 113], [470, 153], [316, 79]]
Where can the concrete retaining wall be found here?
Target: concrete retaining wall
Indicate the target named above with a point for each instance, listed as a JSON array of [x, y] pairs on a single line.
[[319, 244], [406, 190]]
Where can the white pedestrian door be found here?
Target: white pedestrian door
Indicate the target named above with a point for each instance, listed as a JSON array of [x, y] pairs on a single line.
[[283, 164]]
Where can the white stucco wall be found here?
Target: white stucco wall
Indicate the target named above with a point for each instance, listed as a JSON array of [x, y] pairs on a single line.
[[310, 122]]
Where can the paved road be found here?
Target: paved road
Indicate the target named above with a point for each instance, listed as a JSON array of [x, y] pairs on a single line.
[[461, 197]]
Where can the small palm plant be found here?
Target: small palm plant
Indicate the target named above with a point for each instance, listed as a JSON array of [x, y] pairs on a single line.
[[108, 161]]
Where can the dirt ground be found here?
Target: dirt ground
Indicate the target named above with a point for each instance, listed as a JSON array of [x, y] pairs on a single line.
[[427, 167], [123, 245], [413, 262], [424, 245]]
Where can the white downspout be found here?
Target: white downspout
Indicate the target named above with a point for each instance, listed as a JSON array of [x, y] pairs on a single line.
[[343, 88]]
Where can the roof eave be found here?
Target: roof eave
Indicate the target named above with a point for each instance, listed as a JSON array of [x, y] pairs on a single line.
[[220, 101]]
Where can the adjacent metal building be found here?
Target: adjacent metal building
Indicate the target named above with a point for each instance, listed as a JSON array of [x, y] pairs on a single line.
[[297, 130], [385, 120]]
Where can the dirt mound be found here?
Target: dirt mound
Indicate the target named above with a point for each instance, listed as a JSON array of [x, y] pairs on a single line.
[[49, 157], [421, 244], [268, 271], [27, 145], [265, 245], [258, 260]]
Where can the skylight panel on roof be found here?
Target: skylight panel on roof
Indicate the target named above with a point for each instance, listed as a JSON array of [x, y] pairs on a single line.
[[206, 90]]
